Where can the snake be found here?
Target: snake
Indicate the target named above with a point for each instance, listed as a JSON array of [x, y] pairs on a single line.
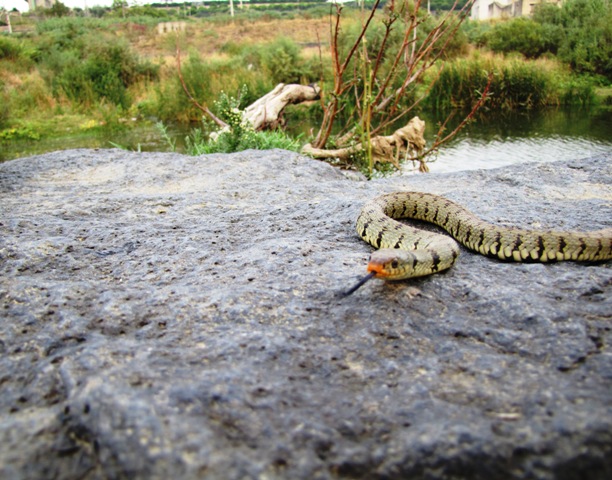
[[404, 251]]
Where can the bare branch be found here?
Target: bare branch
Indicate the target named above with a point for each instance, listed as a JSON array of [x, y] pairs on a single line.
[[202, 108], [361, 34], [464, 122]]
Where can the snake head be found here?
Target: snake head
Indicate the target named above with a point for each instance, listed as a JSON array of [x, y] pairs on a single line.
[[392, 264], [388, 264]]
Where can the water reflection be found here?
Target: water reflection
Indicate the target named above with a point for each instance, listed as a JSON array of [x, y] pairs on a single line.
[[144, 138], [472, 154], [499, 140]]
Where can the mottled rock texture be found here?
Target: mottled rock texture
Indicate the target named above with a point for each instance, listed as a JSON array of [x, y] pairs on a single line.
[[165, 316]]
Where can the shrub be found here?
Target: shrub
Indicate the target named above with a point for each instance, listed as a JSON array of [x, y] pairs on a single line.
[[579, 33], [226, 142], [19, 132], [32, 95], [516, 83], [10, 49], [522, 35], [240, 135], [281, 59], [587, 41], [205, 80], [459, 83], [95, 71]]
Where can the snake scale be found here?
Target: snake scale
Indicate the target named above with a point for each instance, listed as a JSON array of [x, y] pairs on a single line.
[[405, 251]]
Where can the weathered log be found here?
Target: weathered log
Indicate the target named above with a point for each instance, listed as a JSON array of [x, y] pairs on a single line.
[[266, 113], [407, 142]]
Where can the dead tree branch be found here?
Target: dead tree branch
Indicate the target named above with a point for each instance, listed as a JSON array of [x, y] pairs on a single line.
[[191, 98]]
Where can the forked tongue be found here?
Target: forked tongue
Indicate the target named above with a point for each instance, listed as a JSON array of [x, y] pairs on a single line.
[[354, 288]]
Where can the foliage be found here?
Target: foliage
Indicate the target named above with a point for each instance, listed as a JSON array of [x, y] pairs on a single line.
[[76, 63], [523, 35], [10, 48], [515, 83], [5, 110], [205, 80], [579, 33], [436, 5], [587, 41], [279, 60], [196, 144], [147, 11], [282, 59], [58, 9], [259, 67], [239, 135], [86, 67], [476, 32], [22, 132]]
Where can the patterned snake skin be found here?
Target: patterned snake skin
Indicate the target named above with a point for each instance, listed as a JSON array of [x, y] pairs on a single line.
[[406, 252]]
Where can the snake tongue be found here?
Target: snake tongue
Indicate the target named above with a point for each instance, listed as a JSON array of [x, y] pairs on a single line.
[[359, 284]]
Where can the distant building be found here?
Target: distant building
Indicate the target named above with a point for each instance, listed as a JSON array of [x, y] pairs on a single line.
[[488, 9], [34, 4]]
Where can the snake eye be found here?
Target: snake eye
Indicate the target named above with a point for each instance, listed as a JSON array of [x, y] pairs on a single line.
[[394, 264]]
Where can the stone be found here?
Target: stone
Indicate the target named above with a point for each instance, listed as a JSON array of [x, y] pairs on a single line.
[[166, 316]]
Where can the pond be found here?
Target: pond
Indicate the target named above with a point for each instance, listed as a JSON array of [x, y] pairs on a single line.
[[488, 142], [506, 139]]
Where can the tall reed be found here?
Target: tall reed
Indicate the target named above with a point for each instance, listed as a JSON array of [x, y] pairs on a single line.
[[517, 83]]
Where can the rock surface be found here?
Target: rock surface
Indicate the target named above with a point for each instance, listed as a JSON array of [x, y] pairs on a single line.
[[166, 316]]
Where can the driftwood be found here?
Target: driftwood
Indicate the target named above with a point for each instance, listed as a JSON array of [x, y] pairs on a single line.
[[405, 142], [265, 113]]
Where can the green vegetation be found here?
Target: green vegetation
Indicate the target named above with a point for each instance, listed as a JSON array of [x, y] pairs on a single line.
[[69, 66], [63, 71], [578, 34], [88, 69], [240, 135], [514, 83]]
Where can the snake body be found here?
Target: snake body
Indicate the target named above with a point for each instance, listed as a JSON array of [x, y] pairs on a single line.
[[406, 252]]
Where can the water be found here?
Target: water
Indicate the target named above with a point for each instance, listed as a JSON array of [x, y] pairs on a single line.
[[489, 142], [140, 138], [507, 139]]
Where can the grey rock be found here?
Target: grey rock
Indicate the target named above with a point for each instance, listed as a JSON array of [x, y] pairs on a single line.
[[166, 316]]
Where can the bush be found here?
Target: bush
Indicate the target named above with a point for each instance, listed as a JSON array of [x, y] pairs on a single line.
[[523, 35], [228, 142], [10, 49], [96, 70], [476, 32], [240, 135], [281, 59], [22, 132], [516, 83], [32, 95], [206, 81], [587, 43], [579, 33]]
